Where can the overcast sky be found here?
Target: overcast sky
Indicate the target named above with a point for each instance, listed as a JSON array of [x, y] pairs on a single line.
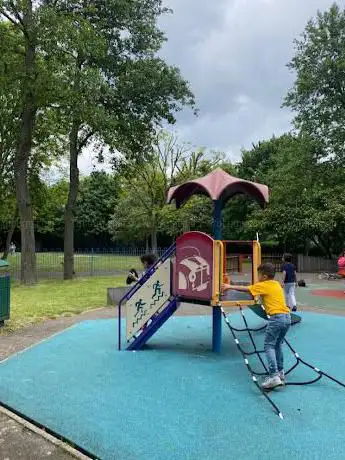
[[234, 54]]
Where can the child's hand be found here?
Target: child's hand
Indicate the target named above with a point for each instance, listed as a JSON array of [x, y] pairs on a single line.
[[226, 287]]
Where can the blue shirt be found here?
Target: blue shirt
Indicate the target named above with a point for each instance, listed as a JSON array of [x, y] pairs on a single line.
[[289, 270]]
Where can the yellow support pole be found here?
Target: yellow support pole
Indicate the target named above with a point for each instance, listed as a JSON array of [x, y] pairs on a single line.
[[256, 260], [218, 270]]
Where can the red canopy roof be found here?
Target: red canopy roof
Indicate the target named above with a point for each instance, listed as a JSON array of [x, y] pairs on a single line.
[[218, 185]]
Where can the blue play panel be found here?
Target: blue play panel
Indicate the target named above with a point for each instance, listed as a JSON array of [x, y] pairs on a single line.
[[176, 400]]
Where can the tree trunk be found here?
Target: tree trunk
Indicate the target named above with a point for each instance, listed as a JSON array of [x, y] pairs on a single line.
[[27, 125], [154, 240], [306, 247], [70, 205], [10, 235]]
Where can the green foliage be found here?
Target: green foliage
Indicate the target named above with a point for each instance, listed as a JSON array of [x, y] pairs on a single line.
[[50, 209], [98, 78], [196, 214], [10, 69], [108, 80], [95, 205], [142, 212], [87, 72], [318, 94], [47, 144], [306, 201]]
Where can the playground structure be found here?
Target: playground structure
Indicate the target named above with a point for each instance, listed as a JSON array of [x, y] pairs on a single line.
[[193, 270], [220, 187]]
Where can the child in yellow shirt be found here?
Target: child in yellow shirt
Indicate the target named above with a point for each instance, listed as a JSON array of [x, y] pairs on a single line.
[[279, 321]]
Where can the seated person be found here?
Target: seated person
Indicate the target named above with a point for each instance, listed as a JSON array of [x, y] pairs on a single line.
[[148, 260]]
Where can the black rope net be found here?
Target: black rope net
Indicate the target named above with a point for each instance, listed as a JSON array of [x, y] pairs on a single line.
[[254, 374]]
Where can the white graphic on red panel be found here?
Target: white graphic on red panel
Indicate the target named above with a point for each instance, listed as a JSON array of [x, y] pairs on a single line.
[[194, 273]]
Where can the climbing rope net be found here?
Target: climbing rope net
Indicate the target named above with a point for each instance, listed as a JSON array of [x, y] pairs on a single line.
[[254, 374]]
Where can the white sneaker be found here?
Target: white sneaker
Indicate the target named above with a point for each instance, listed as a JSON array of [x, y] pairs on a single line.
[[271, 382], [282, 376]]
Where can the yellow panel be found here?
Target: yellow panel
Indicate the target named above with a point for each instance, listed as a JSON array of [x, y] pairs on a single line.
[[218, 269], [218, 275]]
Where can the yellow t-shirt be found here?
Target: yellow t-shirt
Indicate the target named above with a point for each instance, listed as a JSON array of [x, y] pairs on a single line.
[[272, 296]]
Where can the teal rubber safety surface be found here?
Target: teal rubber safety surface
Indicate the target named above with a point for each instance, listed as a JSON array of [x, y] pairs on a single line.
[[176, 400]]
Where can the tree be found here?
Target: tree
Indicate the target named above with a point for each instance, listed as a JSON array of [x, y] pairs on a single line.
[[95, 206], [49, 212], [24, 21], [254, 166], [116, 89], [318, 94], [196, 214], [28, 85], [144, 187], [142, 211], [306, 204], [9, 66]]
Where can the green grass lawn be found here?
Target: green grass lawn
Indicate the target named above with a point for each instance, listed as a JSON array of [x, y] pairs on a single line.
[[52, 262], [53, 298]]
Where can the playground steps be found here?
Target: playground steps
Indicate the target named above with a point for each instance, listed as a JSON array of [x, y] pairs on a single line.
[[155, 324]]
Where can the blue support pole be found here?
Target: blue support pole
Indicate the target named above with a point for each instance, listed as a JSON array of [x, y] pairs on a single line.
[[217, 313]]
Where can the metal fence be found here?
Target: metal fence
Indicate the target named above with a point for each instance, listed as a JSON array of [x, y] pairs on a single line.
[[304, 264], [96, 262], [86, 263]]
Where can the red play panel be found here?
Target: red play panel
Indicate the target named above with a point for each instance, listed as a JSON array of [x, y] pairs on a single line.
[[329, 293]]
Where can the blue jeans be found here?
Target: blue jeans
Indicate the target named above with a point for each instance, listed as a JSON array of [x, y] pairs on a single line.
[[276, 330]]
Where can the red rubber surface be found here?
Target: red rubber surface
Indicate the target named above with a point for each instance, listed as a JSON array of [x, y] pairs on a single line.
[[339, 294]]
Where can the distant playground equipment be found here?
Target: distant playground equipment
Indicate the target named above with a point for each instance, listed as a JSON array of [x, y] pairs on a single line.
[[330, 276], [192, 271]]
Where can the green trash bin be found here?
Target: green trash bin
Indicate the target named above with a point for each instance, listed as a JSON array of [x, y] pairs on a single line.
[[5, 290]]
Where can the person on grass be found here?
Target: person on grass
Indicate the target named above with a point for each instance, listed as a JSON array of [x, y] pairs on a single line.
[[279, 321], [289, 280]]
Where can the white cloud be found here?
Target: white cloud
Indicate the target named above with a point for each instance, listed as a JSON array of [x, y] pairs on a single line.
[[234, 53]]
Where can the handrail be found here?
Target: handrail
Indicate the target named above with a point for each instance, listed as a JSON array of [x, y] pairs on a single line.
[[168, 253]]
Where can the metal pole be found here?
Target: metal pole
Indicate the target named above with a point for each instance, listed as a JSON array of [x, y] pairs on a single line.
[[217, 312]]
